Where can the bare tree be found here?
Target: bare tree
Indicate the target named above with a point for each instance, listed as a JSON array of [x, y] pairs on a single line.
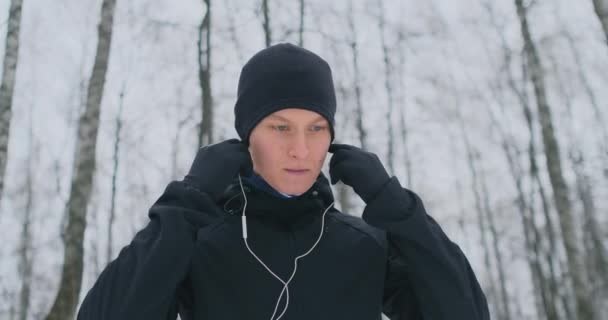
[[388, 85], [301, 29], [597, 263], [182, 122], [405, 135], [544, 287], [115, 162], [233, 32], [482, 218], [25, 247], [7, 87], [357, 77], [8, 297], [204, 77], [266, 23], [498, 253], [545, 282], [556, 177], [93, 228], [601, 10], [84, 169], [585, 82], [531, 233], [481, 193], [343, 193]]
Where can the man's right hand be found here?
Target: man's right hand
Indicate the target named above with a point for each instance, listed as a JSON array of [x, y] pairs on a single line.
[[216, 165]]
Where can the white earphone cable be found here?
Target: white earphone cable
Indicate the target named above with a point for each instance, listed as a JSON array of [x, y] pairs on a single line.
[[285, 284]]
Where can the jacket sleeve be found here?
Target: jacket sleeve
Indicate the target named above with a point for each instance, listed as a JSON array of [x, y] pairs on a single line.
[[148, 278], [428, 276]]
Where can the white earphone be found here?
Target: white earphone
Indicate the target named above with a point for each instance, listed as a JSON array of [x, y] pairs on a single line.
[[285, 284]]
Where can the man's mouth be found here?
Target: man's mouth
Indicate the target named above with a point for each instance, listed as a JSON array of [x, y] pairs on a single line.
[[297, 171]]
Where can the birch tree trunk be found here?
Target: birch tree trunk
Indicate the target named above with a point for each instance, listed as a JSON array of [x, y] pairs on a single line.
[[485, 217], [301, 29], [601, 10], [576, 270], [344, 195], [180, 125], [84, 168], [550, 290], [493, 295], [532, 239], [7, 87], [115, 162], [597, 110], [233, 32], [502, 279], [204, 77], [403, 124], [25, 248], [388, 86], [530, 231], [595, 257], [266, 23], [357, 78], [597, 262], [545, 283]]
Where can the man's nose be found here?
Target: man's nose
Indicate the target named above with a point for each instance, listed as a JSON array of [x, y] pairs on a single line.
[[298, 147]]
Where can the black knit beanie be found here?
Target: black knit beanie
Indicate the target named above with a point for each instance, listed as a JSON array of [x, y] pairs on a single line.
[[279, 77]]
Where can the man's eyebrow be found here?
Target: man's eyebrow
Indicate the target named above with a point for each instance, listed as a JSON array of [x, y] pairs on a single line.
[[317, 119]]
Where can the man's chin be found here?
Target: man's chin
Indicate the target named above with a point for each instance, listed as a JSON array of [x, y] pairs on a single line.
[[295, 190]]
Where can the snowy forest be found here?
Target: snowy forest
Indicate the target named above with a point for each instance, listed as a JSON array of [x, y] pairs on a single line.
[[492, 111]]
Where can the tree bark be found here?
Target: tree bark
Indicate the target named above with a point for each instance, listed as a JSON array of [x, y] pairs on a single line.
[[551, 289], [597, 111], [493, 295], [266, 23], [560, 189], [502, 280], [532, 239], [530, 230], [595, 257], [344, 193], [544, 282], [601, 10], [115, 162], [301, 29], [25, 249], [402, 111], [84, 169], [357, 78], [204, 77], [7, 87], [233, 32], [388, 86], [597, 262]]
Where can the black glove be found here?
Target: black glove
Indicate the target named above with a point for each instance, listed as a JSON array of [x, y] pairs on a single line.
[[216, 165], [357, 168]]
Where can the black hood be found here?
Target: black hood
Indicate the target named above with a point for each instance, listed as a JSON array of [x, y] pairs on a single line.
[[271, 208]]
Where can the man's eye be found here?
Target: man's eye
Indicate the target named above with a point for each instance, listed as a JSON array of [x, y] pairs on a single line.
[[280, 128], [318, 128]]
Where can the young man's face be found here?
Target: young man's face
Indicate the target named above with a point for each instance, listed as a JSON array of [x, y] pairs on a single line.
[[290, 139]]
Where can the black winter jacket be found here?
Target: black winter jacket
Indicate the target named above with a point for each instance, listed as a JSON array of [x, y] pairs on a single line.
[[191, 259]]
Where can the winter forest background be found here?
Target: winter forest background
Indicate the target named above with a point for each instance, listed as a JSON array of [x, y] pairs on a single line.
[[494, 112]]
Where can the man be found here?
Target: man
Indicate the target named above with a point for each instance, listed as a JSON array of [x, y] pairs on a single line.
[[251, 232]]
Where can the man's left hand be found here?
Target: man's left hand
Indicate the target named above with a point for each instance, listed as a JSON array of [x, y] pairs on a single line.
[[357, 168]]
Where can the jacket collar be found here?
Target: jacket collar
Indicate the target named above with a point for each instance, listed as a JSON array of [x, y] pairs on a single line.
[[273, 208], [259, 183]]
